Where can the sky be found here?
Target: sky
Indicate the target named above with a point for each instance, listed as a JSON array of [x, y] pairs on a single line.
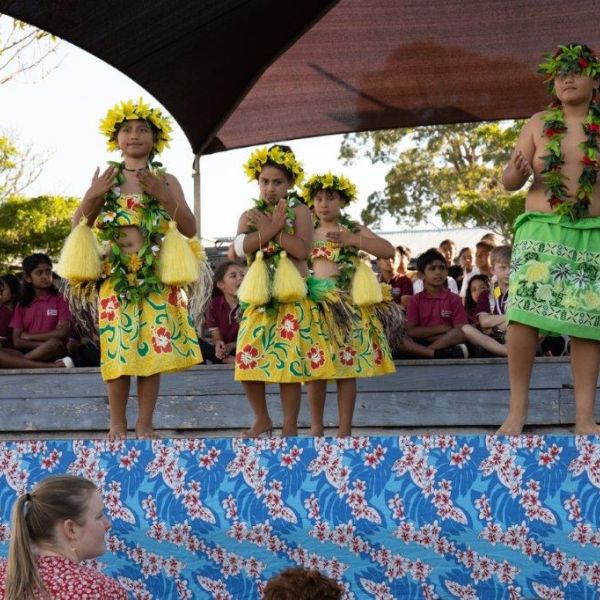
[[59, 115]]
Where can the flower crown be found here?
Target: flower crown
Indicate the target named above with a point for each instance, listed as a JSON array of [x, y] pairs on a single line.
[[128, 111], [275, 156], [329, 181], [573, 58]]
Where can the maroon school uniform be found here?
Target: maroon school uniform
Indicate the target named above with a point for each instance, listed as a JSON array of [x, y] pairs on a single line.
[[430, 311], [493, 303], [401, 286], [220, 315], [5, 328], [42, 315]]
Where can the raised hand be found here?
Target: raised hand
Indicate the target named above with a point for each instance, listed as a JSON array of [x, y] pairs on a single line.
[[343, 238], [101, 184], [520, 164], [151, 184]]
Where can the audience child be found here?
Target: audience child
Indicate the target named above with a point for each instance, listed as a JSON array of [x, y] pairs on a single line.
[[447, 249], [435, 316], [222, 314], [10, 293], [41, 320], [55, 527], [482, 264], [401, 285], [478, 285], [490, 311]]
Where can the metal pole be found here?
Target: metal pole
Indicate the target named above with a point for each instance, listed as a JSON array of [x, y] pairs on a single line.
[[197, 195]]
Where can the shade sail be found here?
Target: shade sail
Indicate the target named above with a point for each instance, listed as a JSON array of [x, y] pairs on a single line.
[[238, 73]]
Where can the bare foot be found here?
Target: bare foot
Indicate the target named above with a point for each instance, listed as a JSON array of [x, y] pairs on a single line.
[[258, 429], [587, 428], [512, 426], [342, 433], [317, 431], [143, 433], [117, 433]]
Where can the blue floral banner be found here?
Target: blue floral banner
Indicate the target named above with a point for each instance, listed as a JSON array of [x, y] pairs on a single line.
[[424, 517]]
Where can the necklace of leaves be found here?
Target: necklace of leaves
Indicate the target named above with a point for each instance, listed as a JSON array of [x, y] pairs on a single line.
[[347, 255], [272, 249], [554, 129], [132, 275]]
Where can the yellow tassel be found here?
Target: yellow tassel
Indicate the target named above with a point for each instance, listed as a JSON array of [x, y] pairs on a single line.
[[386, 292], [365, 287], [288, 284], [177, 263], [80, 256], [255, 288]]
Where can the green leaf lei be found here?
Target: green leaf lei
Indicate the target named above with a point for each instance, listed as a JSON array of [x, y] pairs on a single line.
[[347, 255], [133, 275], [272, 249], [554, 129]]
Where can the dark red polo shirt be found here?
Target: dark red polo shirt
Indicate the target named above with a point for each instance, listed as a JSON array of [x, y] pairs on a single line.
[[220, 315]]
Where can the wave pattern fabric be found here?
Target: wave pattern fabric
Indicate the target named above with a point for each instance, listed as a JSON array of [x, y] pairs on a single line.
[[423, 517]]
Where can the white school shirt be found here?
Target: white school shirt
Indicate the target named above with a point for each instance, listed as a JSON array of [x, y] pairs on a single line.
[[418, 285]]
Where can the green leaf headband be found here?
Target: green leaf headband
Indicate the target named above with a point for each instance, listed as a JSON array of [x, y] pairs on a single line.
[[572, 58]]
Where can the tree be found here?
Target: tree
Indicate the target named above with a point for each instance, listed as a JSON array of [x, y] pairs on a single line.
[[24, 49], [29, 225], [452, 171]]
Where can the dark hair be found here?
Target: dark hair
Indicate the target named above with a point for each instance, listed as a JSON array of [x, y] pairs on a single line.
[[30, 263], [289, 174], [55, 499], [463, 250], [219, 274], [469, 302], [444, 242], [484, 244], [501, 253], [13, 283], [429, 257], [403, 250], [301, 584]]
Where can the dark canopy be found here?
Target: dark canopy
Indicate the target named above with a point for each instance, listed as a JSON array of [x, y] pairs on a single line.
[[235, 73]]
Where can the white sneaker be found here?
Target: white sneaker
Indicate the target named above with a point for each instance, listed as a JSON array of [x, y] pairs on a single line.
[[464, 350], [67, 361]]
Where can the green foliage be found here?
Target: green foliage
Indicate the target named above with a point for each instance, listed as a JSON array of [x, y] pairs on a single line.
[[452, 171], [34, 225]]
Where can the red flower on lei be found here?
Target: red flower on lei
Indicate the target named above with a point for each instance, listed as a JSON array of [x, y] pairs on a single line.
[[288, 327], [246, 358], [161, 340], [377, 354], [316, 356], [108, 307]]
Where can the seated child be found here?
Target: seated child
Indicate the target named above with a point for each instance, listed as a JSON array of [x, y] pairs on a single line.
[[40, 321], [402, 287], [435, 316], [222, 314], [478, 285], [490, 310]]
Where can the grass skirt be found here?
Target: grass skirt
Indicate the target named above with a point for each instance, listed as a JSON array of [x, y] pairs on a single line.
[[555, 275], [154, 336], [282, 343]]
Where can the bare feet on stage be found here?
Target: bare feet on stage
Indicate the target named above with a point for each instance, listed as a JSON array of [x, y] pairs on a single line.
[[145, 433], [117, 432], [587, 428], [262, 428], [512, 426]]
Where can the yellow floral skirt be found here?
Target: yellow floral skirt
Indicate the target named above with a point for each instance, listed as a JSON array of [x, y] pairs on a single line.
[[367, 353], [154, 336], [283, 343]]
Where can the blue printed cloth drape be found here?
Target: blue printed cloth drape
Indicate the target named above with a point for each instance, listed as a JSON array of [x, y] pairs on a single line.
[[426, 517]]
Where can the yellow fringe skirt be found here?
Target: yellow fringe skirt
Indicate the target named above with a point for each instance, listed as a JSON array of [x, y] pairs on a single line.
[[283, 343], [154, 336]]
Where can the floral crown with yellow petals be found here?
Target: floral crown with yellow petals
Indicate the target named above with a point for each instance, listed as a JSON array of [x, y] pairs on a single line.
[[128, 111], [329, 181], [572, 58], [286, 160]]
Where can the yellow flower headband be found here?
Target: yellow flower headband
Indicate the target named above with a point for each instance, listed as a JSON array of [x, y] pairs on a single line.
[[274, 156], [329, 181], [128, 111]]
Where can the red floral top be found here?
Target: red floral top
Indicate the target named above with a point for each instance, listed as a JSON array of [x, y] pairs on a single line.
[[67, 580]]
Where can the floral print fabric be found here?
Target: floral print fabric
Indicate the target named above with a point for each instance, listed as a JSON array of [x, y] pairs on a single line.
[[155, 335], [398, 517], [555, 275]]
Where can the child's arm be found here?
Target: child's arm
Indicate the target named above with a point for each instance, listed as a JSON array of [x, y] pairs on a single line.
[[488, 321], [61, 332], [267, 227], [298, 245], [365, 240], [421, 331], [518, 170], [94, 198], [167, 190]]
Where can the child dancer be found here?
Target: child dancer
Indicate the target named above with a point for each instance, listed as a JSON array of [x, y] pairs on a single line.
[[281, 339], [556, 254], [337, 242], [144, 325]]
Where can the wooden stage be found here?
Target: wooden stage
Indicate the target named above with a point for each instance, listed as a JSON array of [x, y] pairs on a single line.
[[468, 395]]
